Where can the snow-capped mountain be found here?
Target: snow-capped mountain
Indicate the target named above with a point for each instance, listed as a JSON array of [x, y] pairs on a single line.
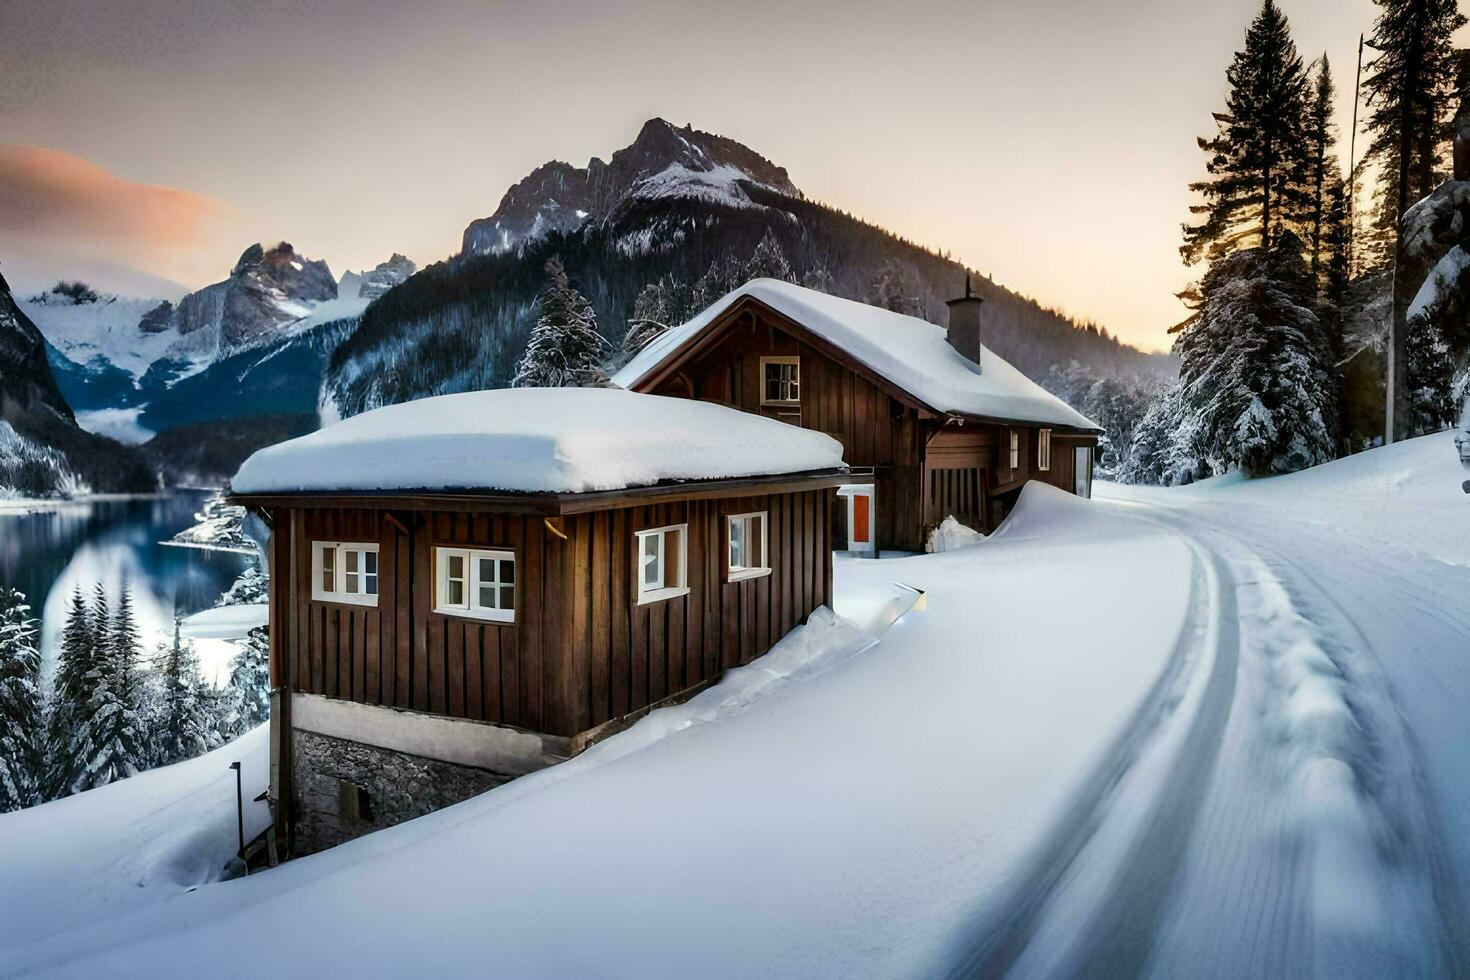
[[663, 162], [42, 449], [679, 217], [376, 281]]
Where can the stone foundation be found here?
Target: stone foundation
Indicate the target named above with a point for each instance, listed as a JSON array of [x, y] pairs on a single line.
[[347, 782]]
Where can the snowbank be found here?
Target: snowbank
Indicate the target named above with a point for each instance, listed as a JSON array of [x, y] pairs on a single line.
[[560, 440], [116, 850], [910, 352], [951, 534], [837, 808], [226, 622]]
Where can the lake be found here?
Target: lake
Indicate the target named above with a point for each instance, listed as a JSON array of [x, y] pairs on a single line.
[[46, 553]]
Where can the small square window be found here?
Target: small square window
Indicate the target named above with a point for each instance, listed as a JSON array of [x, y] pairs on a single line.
[[746, 554], [780, 381], [661, 572], [344, 572]]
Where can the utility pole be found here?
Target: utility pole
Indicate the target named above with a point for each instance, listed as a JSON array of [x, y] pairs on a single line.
[[1353, 164]]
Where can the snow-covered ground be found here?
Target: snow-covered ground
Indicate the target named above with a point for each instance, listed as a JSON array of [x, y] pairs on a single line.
[[1211, 731], [117, 850]]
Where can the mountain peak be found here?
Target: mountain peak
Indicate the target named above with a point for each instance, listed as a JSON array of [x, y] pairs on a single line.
[[663, 161]]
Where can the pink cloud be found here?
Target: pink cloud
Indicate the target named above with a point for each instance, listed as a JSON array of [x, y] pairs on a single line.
[[62, 199]]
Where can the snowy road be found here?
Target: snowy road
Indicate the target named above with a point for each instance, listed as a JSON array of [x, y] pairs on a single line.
[[1317, 818]]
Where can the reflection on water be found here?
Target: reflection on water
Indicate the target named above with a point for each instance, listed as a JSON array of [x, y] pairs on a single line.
[[45, 554]]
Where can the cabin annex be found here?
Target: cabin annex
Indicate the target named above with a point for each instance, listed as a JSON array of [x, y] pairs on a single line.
[[468, 588], [943, 425]]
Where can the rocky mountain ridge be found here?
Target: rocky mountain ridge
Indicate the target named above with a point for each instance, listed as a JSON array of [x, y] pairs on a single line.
[[664, 161]]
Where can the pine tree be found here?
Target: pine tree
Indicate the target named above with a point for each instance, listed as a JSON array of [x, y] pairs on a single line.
[[1257, 161], [183, 727], [768, 261], [72, 691], [107, 740], [1410, 89], [893, 289], [655, 309], [565, 350], [1324, 177], [22, 722], [1256, 365], [249, 688]]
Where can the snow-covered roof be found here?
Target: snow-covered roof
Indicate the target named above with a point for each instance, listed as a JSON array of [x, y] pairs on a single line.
[[911, 353], [536, 440]]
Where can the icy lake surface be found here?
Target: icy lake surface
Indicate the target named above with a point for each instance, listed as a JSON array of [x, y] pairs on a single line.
[[45, 553]]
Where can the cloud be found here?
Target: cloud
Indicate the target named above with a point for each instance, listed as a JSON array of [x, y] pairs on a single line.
[[58, 197]]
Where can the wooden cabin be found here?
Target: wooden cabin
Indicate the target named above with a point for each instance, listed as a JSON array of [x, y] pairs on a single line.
[[468, 588], [944, 425]]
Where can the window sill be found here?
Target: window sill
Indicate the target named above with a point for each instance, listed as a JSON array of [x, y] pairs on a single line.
[[487, 616], [745, 574], [659, 595], [345, 600], [791, 405]]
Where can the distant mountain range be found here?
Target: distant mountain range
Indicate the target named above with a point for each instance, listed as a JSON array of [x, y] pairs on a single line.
[[677, 209], [667, 224]]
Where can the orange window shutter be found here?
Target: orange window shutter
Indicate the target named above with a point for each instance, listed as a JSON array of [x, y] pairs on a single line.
[[861, 503]]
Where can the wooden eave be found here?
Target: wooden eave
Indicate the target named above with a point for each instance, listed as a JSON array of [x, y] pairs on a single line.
[[714, 331], [552, 504]]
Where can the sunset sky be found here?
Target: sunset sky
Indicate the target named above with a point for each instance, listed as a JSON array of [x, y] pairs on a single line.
[[1046, 143]]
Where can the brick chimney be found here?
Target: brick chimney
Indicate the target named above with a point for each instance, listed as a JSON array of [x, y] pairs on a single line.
[[964, 323]]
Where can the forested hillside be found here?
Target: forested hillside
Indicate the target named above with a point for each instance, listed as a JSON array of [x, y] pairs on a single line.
[[678, 243]]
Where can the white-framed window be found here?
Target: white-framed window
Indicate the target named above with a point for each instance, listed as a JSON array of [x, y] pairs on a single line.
[[1015, 449], [1043, 449], [662, 555], [344, 571], [746, 546], [780, 381], [479, 583]]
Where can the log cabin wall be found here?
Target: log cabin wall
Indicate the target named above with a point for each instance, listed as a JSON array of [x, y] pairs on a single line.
[[582, 651], [875, 429]]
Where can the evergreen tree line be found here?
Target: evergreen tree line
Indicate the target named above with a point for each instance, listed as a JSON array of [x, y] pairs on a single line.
[[1261, 384], [111, 711]]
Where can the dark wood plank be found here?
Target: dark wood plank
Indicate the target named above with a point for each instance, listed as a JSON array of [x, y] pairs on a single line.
[[454, 656], [620, 648]]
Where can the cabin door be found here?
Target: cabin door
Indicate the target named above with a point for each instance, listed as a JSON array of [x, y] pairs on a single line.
[[862, 519], [1082, 471]]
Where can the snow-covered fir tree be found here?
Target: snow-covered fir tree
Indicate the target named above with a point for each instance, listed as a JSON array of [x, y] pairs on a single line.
[[22, 719], [183, 727], [768, 261], [565, 350], [895, 288], [248, 694], [108, 740], [656, 308], [1256, 365], [1257, 161], [71, 695], [1161, 450]]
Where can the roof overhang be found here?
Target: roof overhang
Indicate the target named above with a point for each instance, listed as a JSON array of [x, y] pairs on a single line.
[[551, 504]]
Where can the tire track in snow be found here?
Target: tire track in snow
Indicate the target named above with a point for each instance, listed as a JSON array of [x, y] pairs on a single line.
[[1319, 843], [1190, 701]]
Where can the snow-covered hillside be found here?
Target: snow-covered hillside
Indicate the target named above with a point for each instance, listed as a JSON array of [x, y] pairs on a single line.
[[1212, 731]]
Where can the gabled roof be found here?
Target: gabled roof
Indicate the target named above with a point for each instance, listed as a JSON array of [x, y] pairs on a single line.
[[911, 354], [535, 440]]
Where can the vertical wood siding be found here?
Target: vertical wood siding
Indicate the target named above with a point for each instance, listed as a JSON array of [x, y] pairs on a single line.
[[582, 651]]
